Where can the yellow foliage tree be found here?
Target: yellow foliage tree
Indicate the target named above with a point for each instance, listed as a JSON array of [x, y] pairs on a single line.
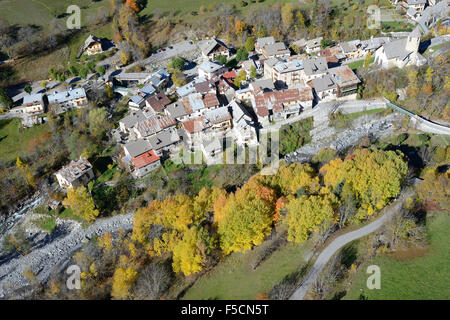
[[81, 203], [310, 213], [374, 177], [186, 254], [123, 279]]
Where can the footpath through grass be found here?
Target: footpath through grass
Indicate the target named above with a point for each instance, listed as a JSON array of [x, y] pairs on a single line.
[[422, 277]]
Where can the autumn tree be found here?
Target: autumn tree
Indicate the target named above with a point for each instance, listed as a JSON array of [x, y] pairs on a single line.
[[310, 213], [373, 176], [186, 253], [123, 279], [81, 203], [247, 217], [287, 15]]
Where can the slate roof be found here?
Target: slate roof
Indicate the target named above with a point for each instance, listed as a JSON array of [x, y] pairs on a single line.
[[176, 109], [396, 49], [62, 97], [315, 66], [210, 66], [32, 99], [218, 115], [75, 169], [275, 49], [138, 147], [261, 42], [208, 46], [163, 139], [324, 84]]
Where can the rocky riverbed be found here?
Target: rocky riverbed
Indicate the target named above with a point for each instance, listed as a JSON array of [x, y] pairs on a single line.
[[324, 136], [53, 251]]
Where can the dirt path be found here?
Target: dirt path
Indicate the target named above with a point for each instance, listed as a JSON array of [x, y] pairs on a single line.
[[341, 241]]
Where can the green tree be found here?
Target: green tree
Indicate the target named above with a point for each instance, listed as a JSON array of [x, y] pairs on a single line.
[[242, 76], [250, 44], [28, 89], [5, 99], [178, 64], [101, 70], [241, 55], [221, 59], [253, 73], [98, 121]]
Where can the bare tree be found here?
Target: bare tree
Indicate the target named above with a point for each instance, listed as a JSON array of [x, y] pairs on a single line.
[[153, 281]]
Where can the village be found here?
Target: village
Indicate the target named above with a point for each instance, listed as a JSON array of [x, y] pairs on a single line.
[[246, 160], [221, 106]]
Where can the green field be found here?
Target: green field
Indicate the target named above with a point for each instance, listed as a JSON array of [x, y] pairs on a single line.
[[182, 7], [234, 277], [396, 26], [41, 12], [358, 64], [14, 141], [423, 277]]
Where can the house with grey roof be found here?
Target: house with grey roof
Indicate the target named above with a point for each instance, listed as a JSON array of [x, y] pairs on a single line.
[[74, 98], [92, 45], [314, 68], [177, 110], [432, 14], [159, 79], [137, 102], [32, 104], [418, 5], [165, 142], [401, 52], [212, 150], [325, 88], [77, 173], [413, 13], [313, 45], [285, 72], [276, 50], [213, 48], [262, 42], [244, 127], [210, 69]]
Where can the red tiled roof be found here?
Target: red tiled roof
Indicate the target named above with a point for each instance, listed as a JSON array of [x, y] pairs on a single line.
[[230, 75], [145, 159]]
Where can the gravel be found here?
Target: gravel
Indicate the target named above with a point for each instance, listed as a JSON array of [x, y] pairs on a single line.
[[51, 253]]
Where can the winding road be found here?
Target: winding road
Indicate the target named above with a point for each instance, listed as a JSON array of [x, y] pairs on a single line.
[[341, 241]]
